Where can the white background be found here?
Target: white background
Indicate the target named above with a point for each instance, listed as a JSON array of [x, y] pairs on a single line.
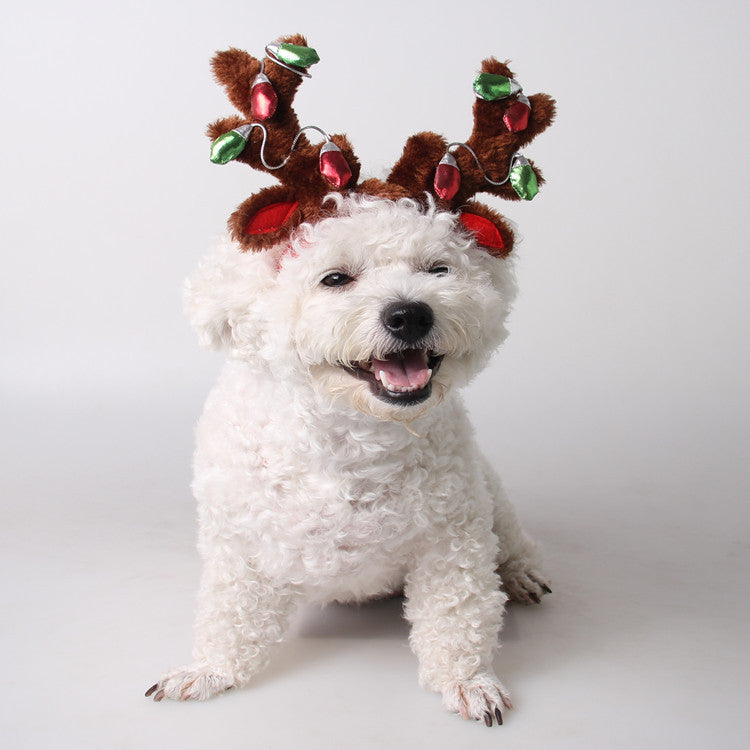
[[617, 411]]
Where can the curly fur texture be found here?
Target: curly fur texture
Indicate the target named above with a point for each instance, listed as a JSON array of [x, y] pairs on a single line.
[[312, 487]]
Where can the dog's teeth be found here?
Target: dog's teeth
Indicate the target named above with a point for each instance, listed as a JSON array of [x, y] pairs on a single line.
[[392, 388]]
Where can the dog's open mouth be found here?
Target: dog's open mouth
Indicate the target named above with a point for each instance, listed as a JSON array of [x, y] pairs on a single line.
[[402, 377]]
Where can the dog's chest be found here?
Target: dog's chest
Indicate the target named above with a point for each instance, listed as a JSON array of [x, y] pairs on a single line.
[[315, 495], [336, 503]]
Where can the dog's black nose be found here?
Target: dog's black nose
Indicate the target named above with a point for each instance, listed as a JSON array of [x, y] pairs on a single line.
[[408, 321]]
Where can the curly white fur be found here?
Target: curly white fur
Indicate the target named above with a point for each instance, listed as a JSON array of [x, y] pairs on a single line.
[[312, 487]]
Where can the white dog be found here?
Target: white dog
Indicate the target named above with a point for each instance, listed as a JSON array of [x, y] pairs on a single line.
[[335, 460]]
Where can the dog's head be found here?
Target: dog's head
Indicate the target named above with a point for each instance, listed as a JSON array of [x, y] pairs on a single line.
[[384, 304], [381, 293]]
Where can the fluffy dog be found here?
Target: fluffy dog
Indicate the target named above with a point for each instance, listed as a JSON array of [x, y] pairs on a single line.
[[335, 460]]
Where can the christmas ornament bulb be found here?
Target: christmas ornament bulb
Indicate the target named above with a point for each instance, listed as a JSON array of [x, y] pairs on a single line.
[[491, 86], [263, 99], [522, 178], [333, 165], [293, 54], [230, 145], [516, 117], [447, 178]]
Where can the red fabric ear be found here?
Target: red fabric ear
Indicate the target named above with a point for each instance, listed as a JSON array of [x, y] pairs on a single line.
[[485, 231], [270, 218]]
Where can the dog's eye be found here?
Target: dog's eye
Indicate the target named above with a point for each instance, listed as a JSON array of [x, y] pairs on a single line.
[[439, 270], [336, 279]]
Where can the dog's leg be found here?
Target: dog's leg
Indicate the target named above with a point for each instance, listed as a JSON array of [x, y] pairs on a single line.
[[240, 617], [519, 561], [455, 608]]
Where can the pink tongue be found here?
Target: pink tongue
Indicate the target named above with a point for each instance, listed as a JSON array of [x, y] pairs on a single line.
[[406, 369]]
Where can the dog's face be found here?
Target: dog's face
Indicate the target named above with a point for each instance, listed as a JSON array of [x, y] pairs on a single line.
[[383, 304]]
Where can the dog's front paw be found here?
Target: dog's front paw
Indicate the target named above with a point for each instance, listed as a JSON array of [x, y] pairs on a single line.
[[195, 682], [522, 583], [481, 698]]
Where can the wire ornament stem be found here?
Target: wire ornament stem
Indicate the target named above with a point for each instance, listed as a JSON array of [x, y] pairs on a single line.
[[249, 128], [480, 165]]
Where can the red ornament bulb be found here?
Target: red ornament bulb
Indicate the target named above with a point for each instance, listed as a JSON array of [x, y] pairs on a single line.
[[516, 117], [333, 165], [263, 99], [447, 178]]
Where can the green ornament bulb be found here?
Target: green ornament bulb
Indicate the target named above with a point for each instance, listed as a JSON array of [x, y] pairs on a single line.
[[229, 146], [490, 86], [523, 179], [293, 54]]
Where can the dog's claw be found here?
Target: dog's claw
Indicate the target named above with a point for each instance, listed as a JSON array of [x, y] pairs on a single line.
[[522, 583], [480, 698], [192, 682]]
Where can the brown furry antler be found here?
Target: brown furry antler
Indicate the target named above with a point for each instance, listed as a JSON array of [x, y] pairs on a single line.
[[491, 140], [276, 145], [273, 142], [494, 144]]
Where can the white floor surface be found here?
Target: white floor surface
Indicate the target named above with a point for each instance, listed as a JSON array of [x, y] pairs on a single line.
[[643, 643]]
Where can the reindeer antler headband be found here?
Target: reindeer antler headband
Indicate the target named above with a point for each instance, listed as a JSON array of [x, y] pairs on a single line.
[[269, 138]]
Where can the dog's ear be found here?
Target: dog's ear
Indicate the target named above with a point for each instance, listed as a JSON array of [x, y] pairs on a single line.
[[489, 228], [224, 298]]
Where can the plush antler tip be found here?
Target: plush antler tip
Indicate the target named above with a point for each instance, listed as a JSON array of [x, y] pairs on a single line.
[[297, 39], [543, 112], [223, 125], [224, 62], [494, 66]]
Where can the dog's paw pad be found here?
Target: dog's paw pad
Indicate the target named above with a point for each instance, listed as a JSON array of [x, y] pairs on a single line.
[[523, 583], [481, 698], [190, 683]]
